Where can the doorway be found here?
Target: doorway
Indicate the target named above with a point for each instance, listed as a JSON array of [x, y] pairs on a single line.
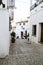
[[41, 32], [22, 34]]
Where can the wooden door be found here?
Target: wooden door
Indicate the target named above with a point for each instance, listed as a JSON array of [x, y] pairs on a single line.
[[42, 32]]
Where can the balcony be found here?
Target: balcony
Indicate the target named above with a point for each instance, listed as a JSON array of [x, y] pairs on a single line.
[[35, 5]]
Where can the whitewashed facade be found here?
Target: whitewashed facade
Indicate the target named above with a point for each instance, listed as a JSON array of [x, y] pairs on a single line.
[[4, 29], [22, 27], [4, 33], [36, 24]]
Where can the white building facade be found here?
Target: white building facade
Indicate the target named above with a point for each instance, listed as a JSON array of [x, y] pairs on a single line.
[[4, 29], [36, 22], [22, 27]]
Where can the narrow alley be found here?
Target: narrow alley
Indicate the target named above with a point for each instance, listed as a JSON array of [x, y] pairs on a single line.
[[24, 53], [21, 32]]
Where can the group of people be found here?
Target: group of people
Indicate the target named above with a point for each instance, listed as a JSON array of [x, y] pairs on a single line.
[[13, 36]]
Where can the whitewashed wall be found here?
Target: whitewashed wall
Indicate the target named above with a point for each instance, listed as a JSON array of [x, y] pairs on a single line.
[[4, 33], [36, 18]]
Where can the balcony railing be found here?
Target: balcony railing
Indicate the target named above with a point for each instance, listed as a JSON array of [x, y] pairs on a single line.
[[35, 5]]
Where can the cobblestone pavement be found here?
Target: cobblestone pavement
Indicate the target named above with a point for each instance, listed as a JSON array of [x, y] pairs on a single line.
[[23, 53]]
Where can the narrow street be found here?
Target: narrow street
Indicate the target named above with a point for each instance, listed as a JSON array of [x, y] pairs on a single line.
[[23, 53]]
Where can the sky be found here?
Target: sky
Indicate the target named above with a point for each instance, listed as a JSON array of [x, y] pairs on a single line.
[[22, 10]]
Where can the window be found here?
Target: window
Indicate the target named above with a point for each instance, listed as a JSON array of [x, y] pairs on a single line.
[[3, 5], [34, 30]]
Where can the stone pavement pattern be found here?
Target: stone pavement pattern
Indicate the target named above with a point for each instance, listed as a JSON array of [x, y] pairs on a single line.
[[23, 53]]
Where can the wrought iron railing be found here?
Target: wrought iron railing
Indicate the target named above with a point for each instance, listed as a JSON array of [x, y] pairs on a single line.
[[35, 5]]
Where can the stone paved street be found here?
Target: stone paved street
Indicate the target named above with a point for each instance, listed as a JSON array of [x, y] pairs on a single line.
[[23, 53]]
